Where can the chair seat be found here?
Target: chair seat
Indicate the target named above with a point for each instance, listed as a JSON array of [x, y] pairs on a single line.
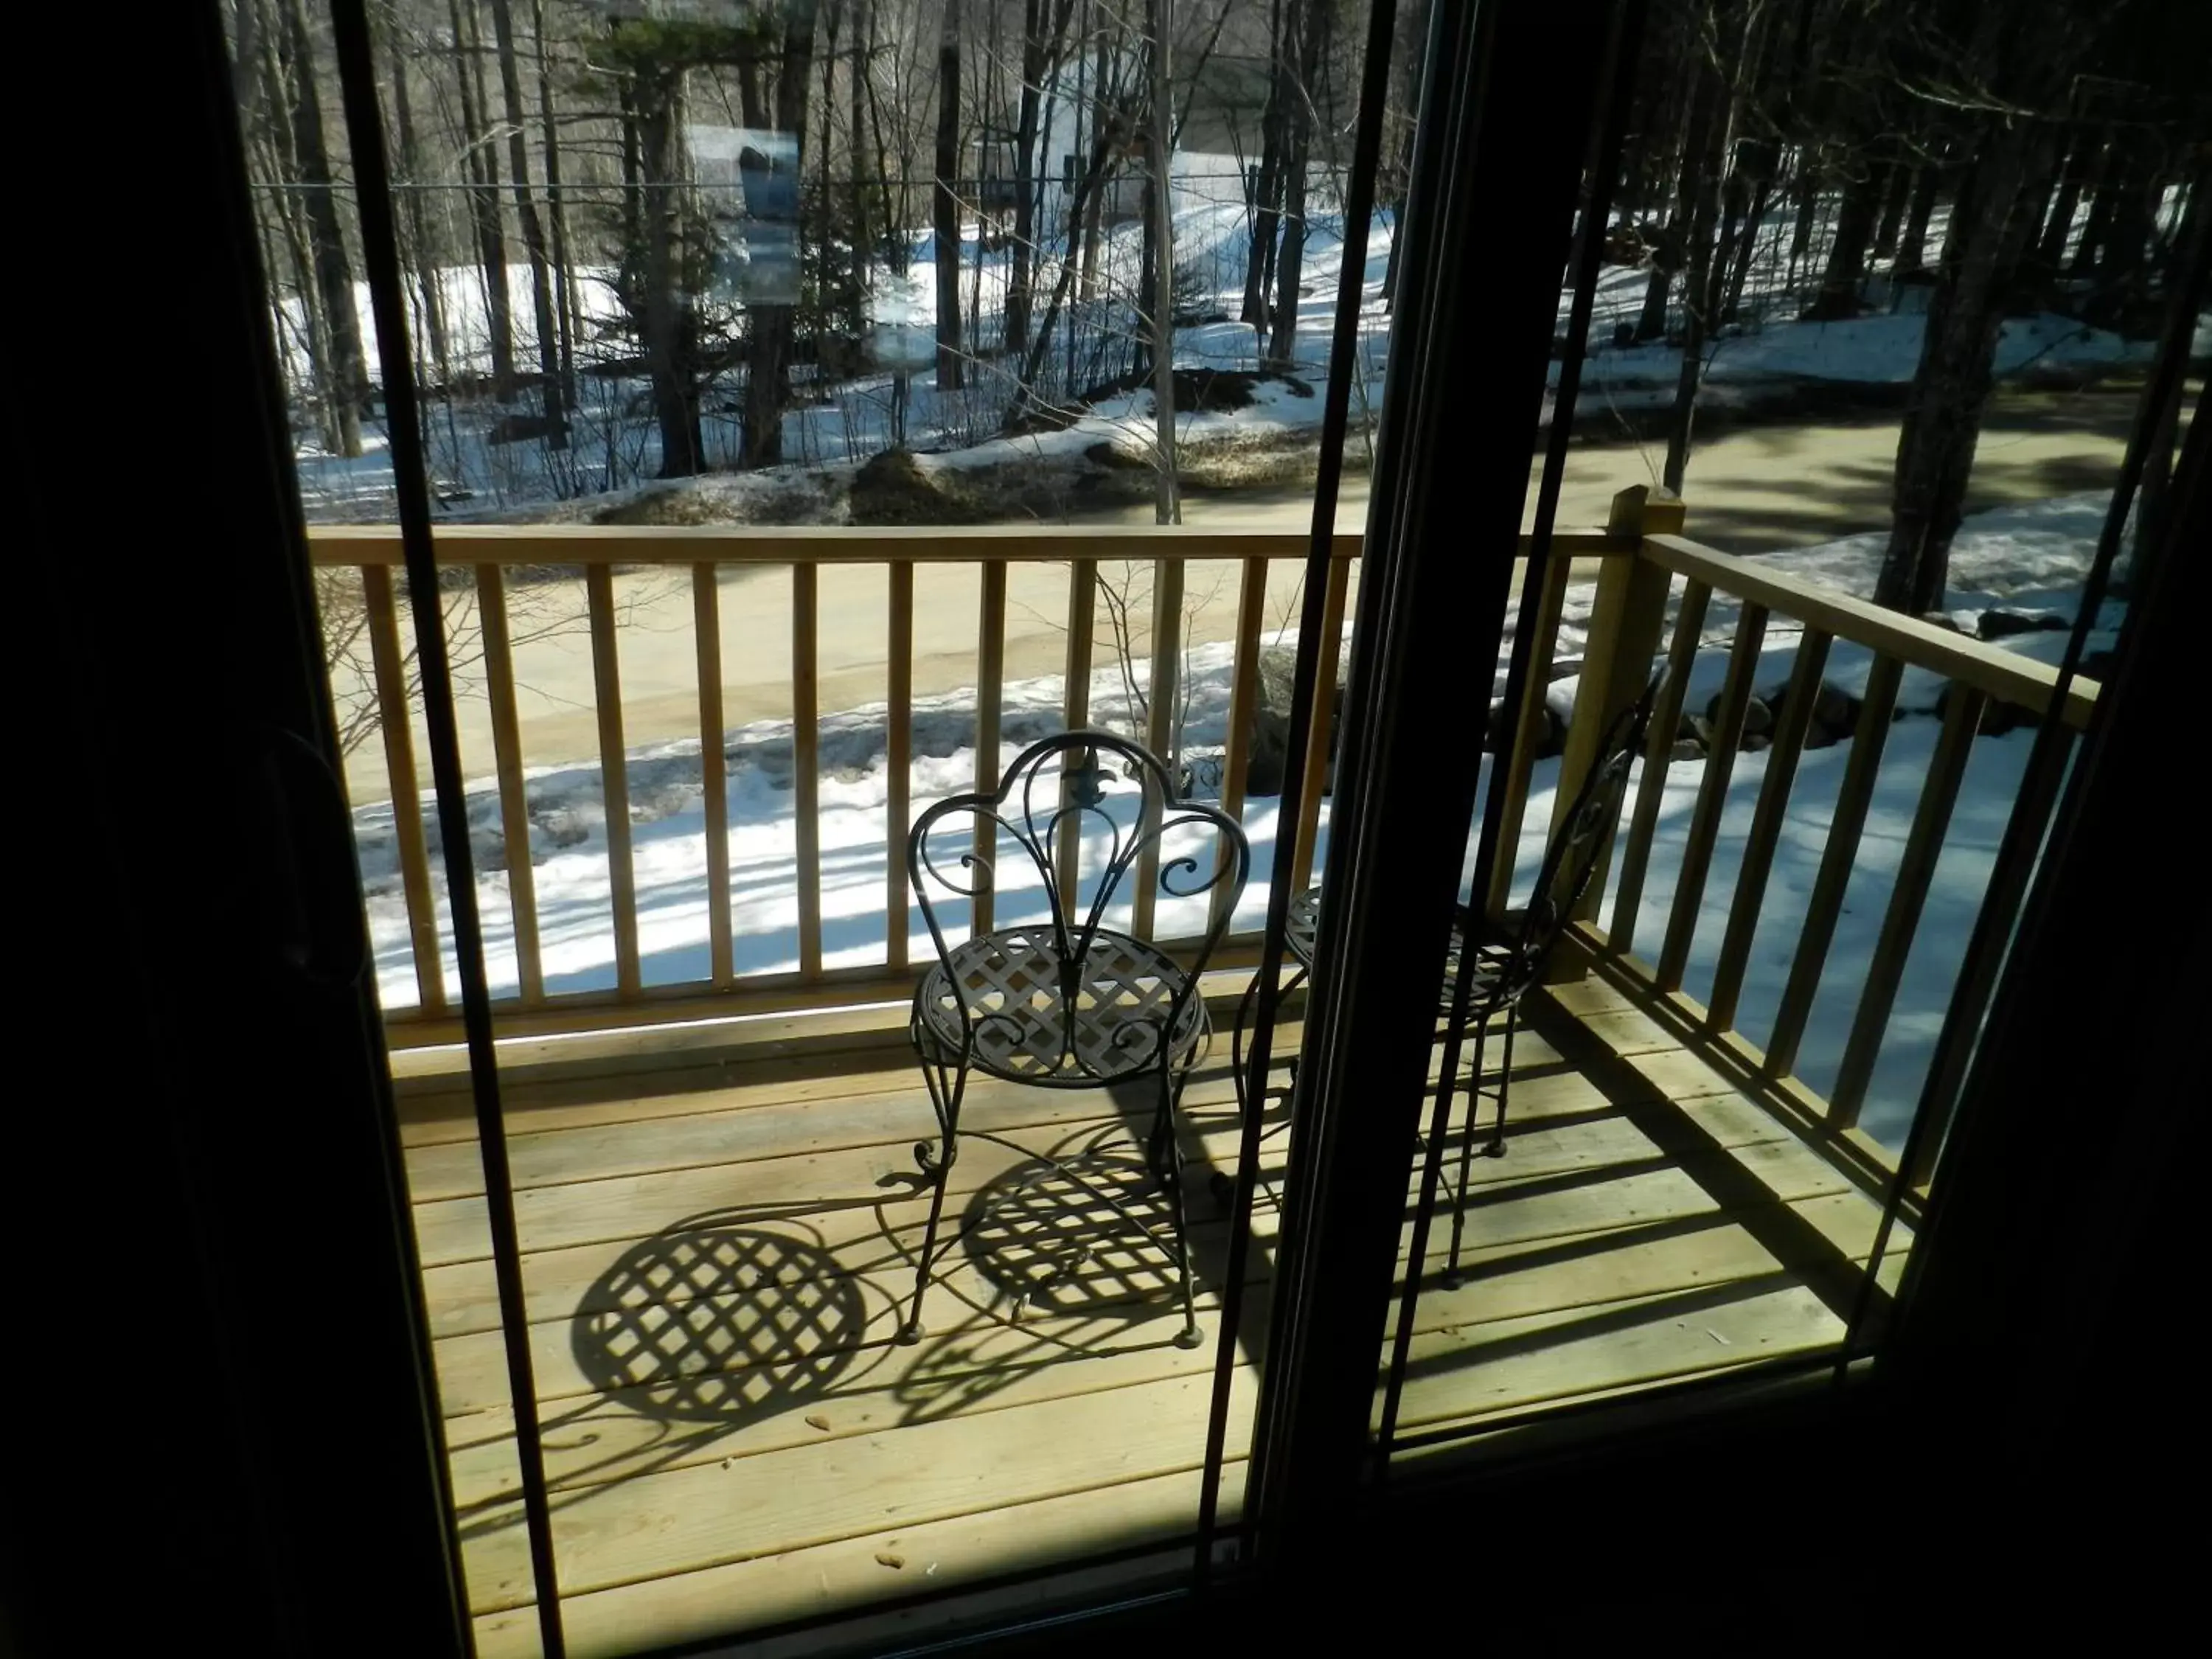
[[1492, 962], [1492, 959], [1028, 1029]]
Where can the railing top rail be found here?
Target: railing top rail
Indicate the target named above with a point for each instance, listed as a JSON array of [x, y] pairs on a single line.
[[2003, 675], [342, 544]]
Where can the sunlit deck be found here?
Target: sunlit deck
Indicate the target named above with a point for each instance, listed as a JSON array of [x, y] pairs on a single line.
[[717, 1239]]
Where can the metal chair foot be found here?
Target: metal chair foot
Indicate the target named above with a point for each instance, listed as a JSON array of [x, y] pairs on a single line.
[[1189, 1337], [1223, 1187], [1496, 1149], [910, 1332]]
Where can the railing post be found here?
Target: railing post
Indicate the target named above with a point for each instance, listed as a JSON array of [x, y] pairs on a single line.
[[1626, 619]]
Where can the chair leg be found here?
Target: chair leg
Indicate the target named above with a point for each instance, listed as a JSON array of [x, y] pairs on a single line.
[[1497, 1147], [1247, 1099], [936, 1163], [1466, 1141], [1171, 1081]]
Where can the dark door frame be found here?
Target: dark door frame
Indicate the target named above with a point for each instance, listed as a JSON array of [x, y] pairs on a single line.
[[230, 1430]]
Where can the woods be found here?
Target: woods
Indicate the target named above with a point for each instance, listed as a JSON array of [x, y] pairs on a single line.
[[648, 240]]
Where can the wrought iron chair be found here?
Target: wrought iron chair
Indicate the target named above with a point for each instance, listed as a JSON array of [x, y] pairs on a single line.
[[1509, 957], [1066, 1001]]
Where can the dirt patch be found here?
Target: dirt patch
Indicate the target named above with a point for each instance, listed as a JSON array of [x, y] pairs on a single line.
[[674, 504], [894, 487]]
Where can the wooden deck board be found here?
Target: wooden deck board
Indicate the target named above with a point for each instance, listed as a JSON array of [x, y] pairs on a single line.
[[1650, 1222]]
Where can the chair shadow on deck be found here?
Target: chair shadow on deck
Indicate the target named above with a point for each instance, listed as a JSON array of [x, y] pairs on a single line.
[[767, 1319], [719, 1323]]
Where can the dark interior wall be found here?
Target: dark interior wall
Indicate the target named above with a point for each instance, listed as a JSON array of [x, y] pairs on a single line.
[[218, 1420]]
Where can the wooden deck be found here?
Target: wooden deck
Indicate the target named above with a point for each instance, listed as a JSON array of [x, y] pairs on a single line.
[[716, 1246]]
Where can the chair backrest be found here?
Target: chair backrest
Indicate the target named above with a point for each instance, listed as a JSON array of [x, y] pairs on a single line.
[[1570, 859], [1054, 781]]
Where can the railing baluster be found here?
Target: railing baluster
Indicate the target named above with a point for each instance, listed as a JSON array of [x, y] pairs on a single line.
[[898, 761], [513, 797], [1658, 757], [1712, 798], [1924, 845], [1518, 756], [1837, 858], [393, 703], [1075, 713], [1243, 701], [1163, 690], [806, 760], [614, 774], [1766, 827], [714, 769], [990, 694], [1322, 733]]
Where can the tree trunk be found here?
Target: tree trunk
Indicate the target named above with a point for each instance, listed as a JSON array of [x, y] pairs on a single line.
[[2102, 170], [898, 246], [1801, 233], [1991, 226], [1896, 191], [1839, 298], [767, 377], [1701, 168], [1912, 240], [564, 286], [534, 230], [945, 205], [483, 198], [268, 123], [863, 244], [1314, 22], [2126, 250], [2051, 246], [668, 326], [418, 229], [1030, 107], [1168, 508], [846, 291], [1102, 128], [1079, 210], [1265, 191], [348, 386], [1746, 249], [1651, 320]]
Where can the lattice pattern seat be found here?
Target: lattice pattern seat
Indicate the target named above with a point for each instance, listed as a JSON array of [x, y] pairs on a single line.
[[1492, 960], [1035, 1022]]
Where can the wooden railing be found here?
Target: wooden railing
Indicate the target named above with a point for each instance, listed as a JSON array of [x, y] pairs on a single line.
[[491, 552], [1626, 625], [1641, 563]]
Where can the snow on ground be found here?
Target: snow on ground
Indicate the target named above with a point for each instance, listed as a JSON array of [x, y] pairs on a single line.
[[2032, 555], [1878, 350], [896, 400]]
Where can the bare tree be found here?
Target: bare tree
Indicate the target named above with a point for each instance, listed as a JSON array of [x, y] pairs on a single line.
[[483, 165], [2018, 65], [347, 387], [534, 230], [945, 216]]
